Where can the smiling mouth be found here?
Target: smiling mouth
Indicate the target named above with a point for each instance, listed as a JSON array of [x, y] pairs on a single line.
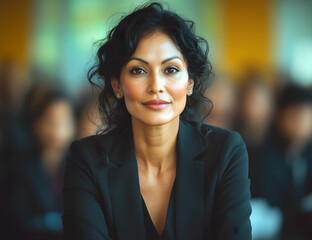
[[156, 104]]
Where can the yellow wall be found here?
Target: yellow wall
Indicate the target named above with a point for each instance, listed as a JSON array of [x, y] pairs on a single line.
[[15, 20], [247, 34]]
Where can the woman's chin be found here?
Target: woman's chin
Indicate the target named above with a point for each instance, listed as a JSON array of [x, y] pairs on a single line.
[[156, 120]]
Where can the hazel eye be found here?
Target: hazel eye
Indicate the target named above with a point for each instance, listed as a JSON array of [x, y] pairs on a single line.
[[171, 70], [137, 71]]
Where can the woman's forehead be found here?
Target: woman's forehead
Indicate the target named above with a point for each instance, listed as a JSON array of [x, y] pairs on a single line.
[[157, 46]]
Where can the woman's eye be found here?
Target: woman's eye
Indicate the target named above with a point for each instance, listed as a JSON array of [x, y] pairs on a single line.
[[137, 71], [172, 70]]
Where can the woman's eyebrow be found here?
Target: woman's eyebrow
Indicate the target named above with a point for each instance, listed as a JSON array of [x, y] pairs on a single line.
[[143, 61], [168, 59]]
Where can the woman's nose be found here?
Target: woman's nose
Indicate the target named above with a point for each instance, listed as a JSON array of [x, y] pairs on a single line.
[[156, 83]]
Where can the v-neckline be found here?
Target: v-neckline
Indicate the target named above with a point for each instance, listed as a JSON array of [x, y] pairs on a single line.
[[168, 209]]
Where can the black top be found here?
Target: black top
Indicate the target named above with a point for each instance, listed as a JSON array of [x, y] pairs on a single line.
[[284, 180], [37, 196], [169, 229], [102, 199]]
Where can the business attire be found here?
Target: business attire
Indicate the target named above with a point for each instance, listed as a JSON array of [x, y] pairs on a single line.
[[285, 179], [31, 201], [37, 196], [209, 200]]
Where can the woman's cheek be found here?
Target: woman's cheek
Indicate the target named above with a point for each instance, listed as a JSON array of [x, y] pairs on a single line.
[[178, 89], [132, 90]]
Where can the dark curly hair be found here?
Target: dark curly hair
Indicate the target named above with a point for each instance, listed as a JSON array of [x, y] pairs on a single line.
[[121, 43]]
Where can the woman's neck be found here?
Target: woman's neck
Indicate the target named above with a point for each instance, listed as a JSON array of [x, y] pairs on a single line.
[[155, 146]]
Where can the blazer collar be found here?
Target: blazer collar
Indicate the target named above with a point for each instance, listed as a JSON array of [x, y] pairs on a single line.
[[190, 143], [124, 188]]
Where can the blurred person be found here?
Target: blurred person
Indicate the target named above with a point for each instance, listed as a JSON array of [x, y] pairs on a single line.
[[88, 116], [253, 122], [12, 89], [254, 118], [256, 101], [223, 95], [286, 162], [13, 86], [37, 196]]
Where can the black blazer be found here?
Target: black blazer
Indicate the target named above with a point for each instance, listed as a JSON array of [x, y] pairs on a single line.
[[102, 198]]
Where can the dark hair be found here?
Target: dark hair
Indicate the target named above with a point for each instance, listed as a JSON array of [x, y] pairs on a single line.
[[121, 43], [37, 100], [293, 94]]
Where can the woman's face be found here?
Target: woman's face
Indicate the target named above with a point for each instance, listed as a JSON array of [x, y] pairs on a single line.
[[55, 128], [155, 81]]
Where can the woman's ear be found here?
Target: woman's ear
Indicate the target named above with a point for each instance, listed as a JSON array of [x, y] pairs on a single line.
[[190, 87], [117, 88]]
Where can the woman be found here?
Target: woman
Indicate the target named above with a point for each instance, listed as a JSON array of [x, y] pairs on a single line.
[[37, 192], [154, 173]]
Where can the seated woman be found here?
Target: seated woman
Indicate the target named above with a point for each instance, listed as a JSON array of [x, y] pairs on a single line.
[[37, 193], [156, 171]]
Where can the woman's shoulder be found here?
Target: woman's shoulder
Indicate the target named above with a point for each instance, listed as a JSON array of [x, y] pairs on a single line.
[[217, 135], [223, 134], [222, 145], [97, 141], [91, 150], [229, 150]]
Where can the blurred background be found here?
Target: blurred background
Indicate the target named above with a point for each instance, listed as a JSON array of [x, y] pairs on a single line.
[[261, 52]]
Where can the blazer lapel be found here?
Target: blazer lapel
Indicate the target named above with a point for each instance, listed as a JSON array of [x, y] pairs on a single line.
[[190, 184], [124, 189]]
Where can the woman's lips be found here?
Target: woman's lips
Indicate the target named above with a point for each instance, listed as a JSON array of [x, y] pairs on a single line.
[[156, 104]]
